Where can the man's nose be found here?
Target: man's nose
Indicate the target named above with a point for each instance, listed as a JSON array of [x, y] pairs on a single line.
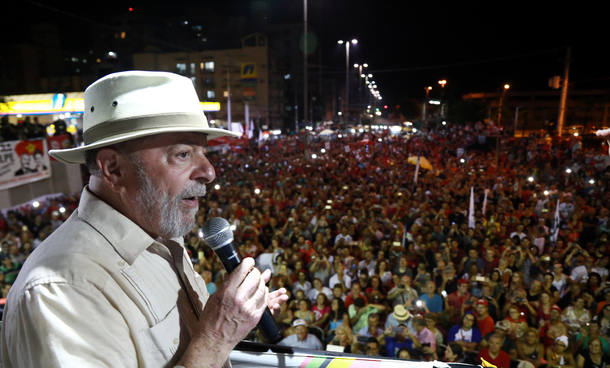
[[204, 170]]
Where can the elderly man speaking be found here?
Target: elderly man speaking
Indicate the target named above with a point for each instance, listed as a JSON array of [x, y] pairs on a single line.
[[113, 286]]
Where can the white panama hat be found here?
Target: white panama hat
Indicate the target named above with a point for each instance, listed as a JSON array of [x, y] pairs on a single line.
[[128, 105]]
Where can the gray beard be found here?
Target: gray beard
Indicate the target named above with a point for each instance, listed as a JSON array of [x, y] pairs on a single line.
[[173, 222]]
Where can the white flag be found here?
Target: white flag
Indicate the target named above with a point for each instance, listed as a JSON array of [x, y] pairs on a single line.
[[485, 202], [416, 170], [555, 231], [471, 209]]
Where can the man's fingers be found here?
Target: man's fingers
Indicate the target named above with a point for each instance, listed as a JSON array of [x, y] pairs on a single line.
[[266, 275], [238, 275], [251, 285], [276, 299]]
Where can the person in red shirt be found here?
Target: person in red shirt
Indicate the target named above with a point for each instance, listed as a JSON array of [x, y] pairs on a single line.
[[455, 301], [485, 323], [355, 292], [494, 354]]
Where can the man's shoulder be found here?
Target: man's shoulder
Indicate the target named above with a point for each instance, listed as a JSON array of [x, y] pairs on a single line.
[[71, 254]]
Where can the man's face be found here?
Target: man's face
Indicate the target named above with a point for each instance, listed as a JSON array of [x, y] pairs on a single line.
[[169, 174], [26, 161], [372, 349], [373, 320], [554, 315], [495, 344], [337, 292], [301, 332]]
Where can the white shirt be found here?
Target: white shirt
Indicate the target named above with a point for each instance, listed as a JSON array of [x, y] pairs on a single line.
[[312, 294], [310, 342], [334, 280], [579, 274], [100, 291]]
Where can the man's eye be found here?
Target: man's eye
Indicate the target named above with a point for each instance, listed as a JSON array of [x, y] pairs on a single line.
[[184, 154]]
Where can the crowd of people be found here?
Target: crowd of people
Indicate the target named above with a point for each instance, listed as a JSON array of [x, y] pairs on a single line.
[[383, 261]]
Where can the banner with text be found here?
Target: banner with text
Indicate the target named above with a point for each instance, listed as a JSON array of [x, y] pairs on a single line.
[[23, 162]]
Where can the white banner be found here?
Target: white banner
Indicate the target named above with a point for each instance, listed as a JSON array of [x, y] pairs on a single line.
[[471, 223], [23, 162]]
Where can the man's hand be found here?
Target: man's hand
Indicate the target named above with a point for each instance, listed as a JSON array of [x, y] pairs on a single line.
[[229, 315], [276, 298]]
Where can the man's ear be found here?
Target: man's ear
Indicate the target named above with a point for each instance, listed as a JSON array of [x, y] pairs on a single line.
[[113, 167]]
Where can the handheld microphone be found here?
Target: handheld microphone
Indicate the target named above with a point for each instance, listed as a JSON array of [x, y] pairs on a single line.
[[217, 234]]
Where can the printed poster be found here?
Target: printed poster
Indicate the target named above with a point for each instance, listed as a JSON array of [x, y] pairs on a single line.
[[23, 162]]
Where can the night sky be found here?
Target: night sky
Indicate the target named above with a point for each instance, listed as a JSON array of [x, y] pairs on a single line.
[[476, 47]]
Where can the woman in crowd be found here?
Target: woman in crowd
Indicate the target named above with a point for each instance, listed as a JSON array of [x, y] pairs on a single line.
[[303, 312], [338, 315], [497, 284], [344, 337], [591, 332], [543, 308], [549, 288], [530, 348], [375, 286], [576, 316], [517, 323], [453, 353], [321, 311], [466, 334], [593, 357]]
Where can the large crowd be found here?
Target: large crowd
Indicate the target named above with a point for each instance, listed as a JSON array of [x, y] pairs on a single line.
[[381, 261]]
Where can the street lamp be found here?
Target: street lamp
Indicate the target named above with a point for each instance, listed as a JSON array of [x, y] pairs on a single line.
[[442, 83], [506, 87], [346, 102]]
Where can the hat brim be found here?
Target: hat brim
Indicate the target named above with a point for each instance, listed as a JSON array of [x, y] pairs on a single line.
[[402, 318], [77, 155]]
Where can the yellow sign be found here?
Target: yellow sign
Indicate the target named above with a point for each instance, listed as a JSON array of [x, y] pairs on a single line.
[[44, 106], [249, 71], [48, 103], [210, 106]]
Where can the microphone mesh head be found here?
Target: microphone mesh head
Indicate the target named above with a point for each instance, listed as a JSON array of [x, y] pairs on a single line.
[[217, 232]]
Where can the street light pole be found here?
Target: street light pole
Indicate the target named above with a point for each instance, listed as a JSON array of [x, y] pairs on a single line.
[[360, 67], [423, 114], [442, 83], [305, 50], [345, 112], [564, 93], [346, 100], [506, 88]]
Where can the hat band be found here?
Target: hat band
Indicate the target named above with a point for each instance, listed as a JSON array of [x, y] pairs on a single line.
[[113, 128]]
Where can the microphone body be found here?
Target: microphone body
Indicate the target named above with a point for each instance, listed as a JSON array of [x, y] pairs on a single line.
[[218, 236]]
